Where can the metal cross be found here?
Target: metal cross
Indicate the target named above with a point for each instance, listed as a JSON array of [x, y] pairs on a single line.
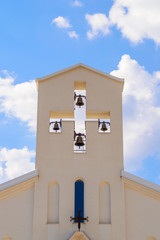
[[79, 219]]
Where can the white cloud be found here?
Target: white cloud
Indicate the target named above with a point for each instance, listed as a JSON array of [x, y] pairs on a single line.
[[73, 34], [99, 24], [17, 162], [137, 19], [1, 172], [141, 104], [61, 22], [19, 100], [64, 23], [77, 3]]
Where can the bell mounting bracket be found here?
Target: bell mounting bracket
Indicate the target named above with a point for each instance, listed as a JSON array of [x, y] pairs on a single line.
[[79, 95]]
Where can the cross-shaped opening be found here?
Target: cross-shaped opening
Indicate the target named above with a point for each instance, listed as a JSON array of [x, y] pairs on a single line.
[[80, 117]]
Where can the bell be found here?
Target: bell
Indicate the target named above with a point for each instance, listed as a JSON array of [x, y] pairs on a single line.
[[79, 101], [56, 126], [79, 141], [104, 128]]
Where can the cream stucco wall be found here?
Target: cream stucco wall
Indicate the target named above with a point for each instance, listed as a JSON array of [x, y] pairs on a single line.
[[142, 214], [57, 162], [16, 213]]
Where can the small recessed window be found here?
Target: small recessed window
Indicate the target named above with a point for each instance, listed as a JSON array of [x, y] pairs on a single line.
[[79, 198]]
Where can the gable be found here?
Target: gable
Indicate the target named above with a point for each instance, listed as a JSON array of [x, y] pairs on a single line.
[[56, 92], [79, 236], [82, 66]]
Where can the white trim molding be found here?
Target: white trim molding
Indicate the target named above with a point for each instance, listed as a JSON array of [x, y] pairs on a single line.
[[19, 180], [141, 181], [121, 80]]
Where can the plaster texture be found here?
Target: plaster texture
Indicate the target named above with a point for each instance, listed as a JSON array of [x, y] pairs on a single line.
[[16, 212]]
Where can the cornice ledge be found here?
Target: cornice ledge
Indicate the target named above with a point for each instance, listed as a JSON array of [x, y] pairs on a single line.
[[19, 180], [144, 183]]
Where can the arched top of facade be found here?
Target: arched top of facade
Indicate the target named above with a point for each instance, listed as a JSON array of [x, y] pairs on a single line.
[[104, 182], [79, 179], [7, 238], [53, 182]]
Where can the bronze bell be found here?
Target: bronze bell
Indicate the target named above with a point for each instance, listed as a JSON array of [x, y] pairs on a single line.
[[56, 126], [79, 141], [79, 101], [104, 128]]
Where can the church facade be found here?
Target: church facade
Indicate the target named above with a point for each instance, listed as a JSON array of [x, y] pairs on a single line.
[[79, 189]]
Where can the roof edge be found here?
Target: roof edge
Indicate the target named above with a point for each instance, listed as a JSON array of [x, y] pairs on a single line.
[[140, 181], [76, 66], [18, 180]]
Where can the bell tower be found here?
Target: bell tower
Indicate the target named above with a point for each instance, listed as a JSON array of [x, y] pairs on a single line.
[[79, 156]]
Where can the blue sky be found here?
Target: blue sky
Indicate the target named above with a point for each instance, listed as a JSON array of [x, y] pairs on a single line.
[[119, 37]]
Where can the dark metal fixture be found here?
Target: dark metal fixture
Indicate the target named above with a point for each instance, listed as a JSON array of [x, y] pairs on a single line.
[[79, 100], [56, 125], [79, 219], [79, 141], [103, 127]]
